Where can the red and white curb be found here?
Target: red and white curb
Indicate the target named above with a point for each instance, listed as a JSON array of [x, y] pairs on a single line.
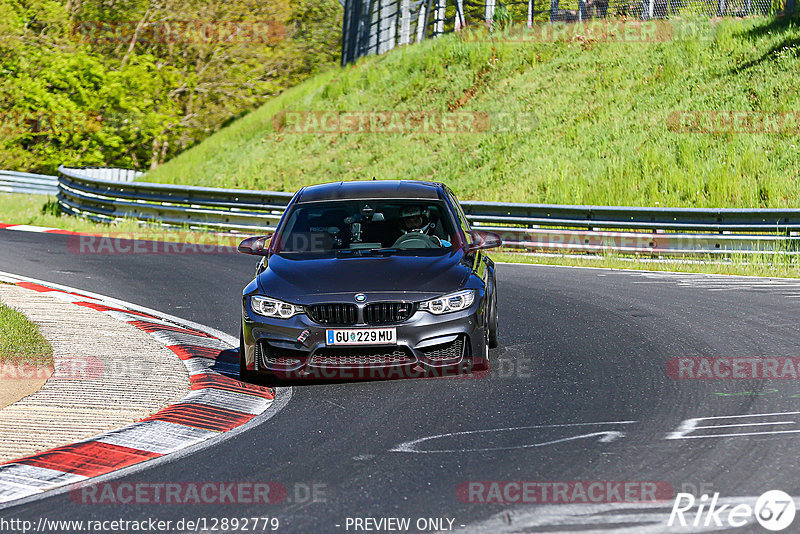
[[218, 403]]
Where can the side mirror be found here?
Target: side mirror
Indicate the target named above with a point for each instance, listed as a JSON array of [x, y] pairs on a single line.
[[481, 239], [256, 245]]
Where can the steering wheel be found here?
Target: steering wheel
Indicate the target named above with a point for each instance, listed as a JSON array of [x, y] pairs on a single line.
[[416, 240]]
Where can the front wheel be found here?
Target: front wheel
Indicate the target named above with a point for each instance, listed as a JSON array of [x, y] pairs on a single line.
[[493, 320], [485, 365], [245, 375]]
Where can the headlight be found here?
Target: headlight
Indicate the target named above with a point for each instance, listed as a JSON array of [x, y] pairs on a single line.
[[274, 308], [460, 300]]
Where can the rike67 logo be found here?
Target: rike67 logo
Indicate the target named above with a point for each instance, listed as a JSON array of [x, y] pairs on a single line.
[[774, 510]]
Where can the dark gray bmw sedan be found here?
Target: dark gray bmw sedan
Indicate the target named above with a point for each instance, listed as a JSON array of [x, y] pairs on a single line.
[[372, 279]]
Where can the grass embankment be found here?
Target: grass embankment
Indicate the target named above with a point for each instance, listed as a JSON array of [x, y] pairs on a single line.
[[597, 129], [26, 358], [21, 341]]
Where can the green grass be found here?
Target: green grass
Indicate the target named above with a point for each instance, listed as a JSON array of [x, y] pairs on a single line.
[[21, 341], [777, 266], [598, 115], [38, 210]]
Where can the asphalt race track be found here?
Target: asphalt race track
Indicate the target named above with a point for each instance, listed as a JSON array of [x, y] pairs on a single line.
[[579, 384]]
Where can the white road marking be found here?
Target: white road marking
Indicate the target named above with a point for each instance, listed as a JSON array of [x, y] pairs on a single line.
[[689, 426], [605, 437], [784, 287]]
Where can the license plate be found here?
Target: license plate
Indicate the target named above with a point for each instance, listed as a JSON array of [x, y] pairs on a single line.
[[362, 336]]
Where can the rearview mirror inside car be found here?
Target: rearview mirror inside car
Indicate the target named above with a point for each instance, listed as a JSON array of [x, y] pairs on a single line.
[[481, 239], [256, 245]]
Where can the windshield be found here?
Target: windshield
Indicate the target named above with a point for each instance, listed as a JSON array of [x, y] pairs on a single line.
[[367, 226]]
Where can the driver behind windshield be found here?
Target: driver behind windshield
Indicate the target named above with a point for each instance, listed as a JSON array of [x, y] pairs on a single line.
[[416, 219], [325, 226]]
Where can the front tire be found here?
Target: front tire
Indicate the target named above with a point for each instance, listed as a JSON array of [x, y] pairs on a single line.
[[245, 375], [494, 320], [484, 366]]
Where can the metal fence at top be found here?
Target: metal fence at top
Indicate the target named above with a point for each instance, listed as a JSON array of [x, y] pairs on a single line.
[[528, 227], [377, 26]]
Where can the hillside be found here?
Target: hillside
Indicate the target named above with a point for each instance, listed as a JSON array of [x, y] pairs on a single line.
[[596, 120]]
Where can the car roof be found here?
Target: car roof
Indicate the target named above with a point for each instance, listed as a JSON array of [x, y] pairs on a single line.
[[371, 189]]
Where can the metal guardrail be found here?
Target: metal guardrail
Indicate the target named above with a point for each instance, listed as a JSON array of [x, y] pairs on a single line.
[[220, 209], [529, 227], [635, 218], [27, 183]]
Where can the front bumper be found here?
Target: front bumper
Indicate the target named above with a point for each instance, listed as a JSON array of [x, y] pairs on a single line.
[[427, 345]]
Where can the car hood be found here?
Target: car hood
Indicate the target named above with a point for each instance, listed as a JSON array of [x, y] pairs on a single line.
[[305, 281]]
